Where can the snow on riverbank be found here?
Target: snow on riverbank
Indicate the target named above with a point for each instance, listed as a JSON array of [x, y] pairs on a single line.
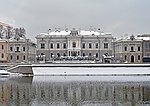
[[37, 79], [3, 72], [91, 71]]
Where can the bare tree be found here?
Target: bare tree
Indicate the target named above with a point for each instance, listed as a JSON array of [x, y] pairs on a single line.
[[1, 31], [22, 32], [9, 32]]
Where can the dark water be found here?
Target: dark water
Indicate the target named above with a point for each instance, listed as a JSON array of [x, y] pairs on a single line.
[[64, 91]]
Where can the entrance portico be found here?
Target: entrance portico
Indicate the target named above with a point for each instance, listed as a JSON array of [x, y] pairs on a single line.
[[74, 53]]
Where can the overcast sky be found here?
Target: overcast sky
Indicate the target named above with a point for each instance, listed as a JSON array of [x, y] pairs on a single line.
[[119, 17]]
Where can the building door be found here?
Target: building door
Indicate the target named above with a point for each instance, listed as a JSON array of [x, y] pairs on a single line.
[[132, 59], [73, 53]]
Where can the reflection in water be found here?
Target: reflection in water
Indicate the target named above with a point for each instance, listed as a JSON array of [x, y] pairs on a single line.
[[23, 91]]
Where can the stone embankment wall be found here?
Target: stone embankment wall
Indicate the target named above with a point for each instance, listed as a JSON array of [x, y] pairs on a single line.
[[22, 69]]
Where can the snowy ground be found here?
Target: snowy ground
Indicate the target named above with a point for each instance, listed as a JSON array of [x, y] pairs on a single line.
[[91, 79], [3, 72], [73, 71]]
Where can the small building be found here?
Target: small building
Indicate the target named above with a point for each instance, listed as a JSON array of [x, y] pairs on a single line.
[[128, 50], [14, 46], [21, 51], [3, 51]]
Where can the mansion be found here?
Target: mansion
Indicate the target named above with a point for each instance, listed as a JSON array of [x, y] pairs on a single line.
[[74, 43]]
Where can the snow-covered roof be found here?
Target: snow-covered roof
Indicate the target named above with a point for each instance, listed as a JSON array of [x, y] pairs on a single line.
[[129, 38], [4, 24], [59, 33], [144, 38], [80, 32], [14, 39]]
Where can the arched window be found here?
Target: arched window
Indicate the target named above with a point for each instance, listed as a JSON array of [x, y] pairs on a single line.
[[125, 57], [58, 54], [24, 57], [42, 54], [74, 44], [17, 57], [132, 59], [11, 57]]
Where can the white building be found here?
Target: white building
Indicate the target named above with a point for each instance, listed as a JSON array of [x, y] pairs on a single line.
[[77, 43], [128, 50]]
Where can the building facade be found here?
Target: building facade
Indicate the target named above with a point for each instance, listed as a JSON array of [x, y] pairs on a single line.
[[14, 46], [3, 51], [146, 46], [76, 43], [128, 50], [21, 51]]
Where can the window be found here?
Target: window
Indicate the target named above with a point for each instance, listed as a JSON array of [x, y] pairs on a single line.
[[42, 46], [83, 54], [139, 57], [64, 46], [51, 45], [96, 46], [105, 45], [64, 54], [125, 57], [96, 55], [58, 46], [24, 57], [42, 54], [11, 57], [17, 57], [2, 55], [90, 45], [24, 49], [58, 54], [11, 48], [52, 55], [83, 45], [89, 54], [125, 48], [17, 49], [139, 49], [74, 44], [78, 53], [132, 48], [2, 46]]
